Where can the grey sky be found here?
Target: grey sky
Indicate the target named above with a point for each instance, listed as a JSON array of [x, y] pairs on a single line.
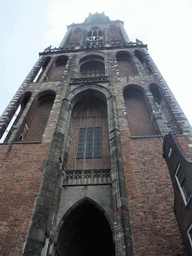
[[27, 27]]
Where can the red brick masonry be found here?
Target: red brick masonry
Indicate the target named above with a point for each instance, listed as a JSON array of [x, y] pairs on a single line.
[[150, 198], [21, 168]]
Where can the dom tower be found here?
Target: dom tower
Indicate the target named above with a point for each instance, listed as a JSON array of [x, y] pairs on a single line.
[[81, 160]]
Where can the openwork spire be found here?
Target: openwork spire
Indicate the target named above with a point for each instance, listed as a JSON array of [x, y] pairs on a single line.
[[96, 18]]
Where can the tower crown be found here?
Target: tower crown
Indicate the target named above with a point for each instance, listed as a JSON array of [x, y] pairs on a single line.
[[97, 18], [97, 31]]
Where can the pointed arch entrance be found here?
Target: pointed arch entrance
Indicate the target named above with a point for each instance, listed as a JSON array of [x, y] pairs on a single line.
[[85, 232]]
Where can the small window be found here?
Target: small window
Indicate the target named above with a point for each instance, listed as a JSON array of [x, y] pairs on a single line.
[[189, 233], [183, 186], [170, 152], [155, 90]]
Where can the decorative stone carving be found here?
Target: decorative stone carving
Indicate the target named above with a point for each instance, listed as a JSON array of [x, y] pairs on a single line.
[[87, 177], [90, 80]]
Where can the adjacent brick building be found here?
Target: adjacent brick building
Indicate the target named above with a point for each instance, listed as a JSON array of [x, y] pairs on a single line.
[[81, 156]]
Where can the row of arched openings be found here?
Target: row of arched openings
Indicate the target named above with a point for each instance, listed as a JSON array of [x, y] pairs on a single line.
[[93, 66], [54, 72], [95, 34], [138, 112]]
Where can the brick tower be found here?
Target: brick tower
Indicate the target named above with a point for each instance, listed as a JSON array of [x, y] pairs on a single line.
[[81, 160]]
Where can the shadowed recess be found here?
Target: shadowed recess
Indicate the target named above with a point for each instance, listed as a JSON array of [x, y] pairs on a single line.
[[85, 232]]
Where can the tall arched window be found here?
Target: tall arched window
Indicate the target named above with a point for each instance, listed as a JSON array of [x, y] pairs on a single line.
[[90, 144], [75, 37], [156, 93], [145, 67], [85, 231], [41, 70], [115, 35], [125, 64], [163, 108], [15, 118], [92, 66], [56, 70], [138, 112], [34, 128]]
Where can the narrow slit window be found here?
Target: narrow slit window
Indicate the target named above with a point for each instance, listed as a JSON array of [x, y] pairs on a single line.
[[80, 151]]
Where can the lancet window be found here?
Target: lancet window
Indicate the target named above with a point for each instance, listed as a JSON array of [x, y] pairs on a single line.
[[75, 37], [57, 68], [114, 35], [15, 117], [89, 145], [92, 66], [138, 113], [41, 70], [125, 64], [143, 64], [34, 127]]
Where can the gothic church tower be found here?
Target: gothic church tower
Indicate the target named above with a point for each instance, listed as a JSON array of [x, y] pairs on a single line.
[[81, 159]]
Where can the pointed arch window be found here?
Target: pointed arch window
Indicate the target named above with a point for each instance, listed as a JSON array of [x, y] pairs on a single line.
[[15, 117], [138, 113], [75, 37], [156, 93], [57, 69], [34, 127], [90, 143], [143, 64], [125, 64], [39, 72], [92, 66], [114, 35]]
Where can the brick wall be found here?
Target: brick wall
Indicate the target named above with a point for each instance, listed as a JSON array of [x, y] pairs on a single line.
[[21, 175], [150, 198]]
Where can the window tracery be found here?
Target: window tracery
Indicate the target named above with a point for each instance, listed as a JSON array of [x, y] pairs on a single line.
[[95, 35]]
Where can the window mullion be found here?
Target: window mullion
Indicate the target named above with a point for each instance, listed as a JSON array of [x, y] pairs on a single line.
[[89, 143]]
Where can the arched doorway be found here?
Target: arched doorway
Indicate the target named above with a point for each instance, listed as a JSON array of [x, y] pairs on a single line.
[[85, 232]]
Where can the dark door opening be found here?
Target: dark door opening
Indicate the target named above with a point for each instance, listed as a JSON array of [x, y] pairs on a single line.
[[85, 232]]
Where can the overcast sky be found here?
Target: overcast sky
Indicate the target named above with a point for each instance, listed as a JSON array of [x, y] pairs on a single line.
[[28, 27]]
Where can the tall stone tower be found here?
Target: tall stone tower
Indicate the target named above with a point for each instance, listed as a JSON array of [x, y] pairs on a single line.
[[81, 160]]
